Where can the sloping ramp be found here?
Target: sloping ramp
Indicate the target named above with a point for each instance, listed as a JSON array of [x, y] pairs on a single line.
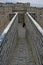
[[22, 54]]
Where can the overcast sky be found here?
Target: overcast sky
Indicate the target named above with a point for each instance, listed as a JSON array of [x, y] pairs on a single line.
[[33, 2]]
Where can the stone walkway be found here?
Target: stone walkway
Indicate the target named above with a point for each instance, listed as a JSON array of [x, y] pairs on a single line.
[[22, 54], [21, 31]]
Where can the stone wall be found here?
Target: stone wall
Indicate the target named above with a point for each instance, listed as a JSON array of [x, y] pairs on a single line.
[[3, 22], [4, 16], [9, 7], [39, 14]]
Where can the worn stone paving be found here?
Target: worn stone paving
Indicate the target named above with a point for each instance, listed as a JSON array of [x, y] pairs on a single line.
[[22, 54], [21, 30]]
